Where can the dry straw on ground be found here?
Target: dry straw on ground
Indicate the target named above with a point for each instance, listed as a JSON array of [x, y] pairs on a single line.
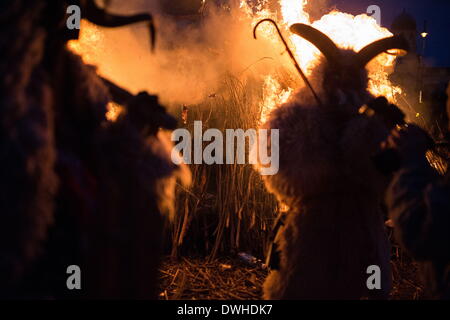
[[230, 279], [220, 279]]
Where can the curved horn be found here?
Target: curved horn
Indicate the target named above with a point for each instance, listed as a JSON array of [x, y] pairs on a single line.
[[101, 17], [366, 54], [319, 39]]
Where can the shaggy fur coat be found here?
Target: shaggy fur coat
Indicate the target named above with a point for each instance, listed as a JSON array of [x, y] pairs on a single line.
[[334, 229]]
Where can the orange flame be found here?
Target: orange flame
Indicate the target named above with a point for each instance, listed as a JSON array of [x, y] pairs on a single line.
[[114, 110], [90, 43], [346, 30], [273, 96]]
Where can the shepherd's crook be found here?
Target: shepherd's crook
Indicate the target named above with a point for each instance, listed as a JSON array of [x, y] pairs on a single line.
[[291, 55]]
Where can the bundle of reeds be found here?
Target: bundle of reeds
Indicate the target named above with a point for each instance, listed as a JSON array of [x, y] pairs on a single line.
[[227, 208]]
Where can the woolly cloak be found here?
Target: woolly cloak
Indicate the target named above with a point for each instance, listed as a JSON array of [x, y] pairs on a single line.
[[334, 229]]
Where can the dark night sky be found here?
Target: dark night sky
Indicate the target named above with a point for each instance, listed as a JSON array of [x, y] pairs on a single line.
[[436, 12]]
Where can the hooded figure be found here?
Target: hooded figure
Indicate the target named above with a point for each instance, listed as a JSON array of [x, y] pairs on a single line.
[[419, 205]]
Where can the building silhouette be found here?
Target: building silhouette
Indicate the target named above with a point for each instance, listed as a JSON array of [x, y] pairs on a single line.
[[424, 86]]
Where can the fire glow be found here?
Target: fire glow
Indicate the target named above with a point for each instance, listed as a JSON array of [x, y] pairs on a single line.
[[346, 30], [88, 48]]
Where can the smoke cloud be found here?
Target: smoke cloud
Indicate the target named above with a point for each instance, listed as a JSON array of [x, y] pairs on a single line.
[[193, 55]]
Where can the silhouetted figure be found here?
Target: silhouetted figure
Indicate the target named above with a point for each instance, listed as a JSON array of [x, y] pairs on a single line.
[[76, 189], [334, 229], [419, 204]]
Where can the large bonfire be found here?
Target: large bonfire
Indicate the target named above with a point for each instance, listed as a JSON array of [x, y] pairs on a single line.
[[346, 30]]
